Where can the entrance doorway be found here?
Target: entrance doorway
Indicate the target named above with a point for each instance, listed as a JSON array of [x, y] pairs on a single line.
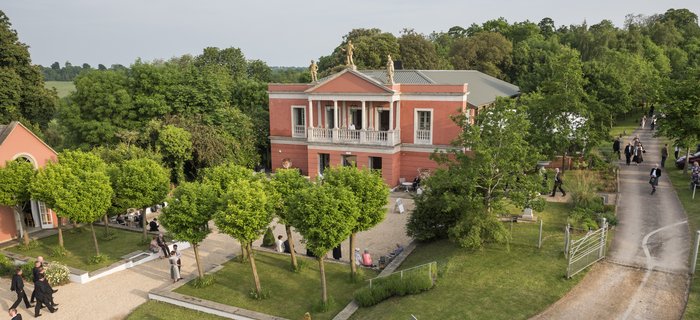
[[383, 120], [330, 118], [324, 161], [375, 163]]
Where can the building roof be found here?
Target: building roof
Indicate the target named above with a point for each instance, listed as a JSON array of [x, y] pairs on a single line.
[[6, 129], [483, 88]]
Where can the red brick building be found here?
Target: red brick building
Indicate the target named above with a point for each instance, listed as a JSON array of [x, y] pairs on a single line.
[[19, 143], [355, 117]]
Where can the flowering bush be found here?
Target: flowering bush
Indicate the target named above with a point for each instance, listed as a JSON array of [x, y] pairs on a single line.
[[57, 274]]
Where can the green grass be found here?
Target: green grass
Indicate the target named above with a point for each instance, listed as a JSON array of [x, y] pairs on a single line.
[[494, 283], [291, 294], [63, 88], [681, 182], [155, 310], [81, 248]]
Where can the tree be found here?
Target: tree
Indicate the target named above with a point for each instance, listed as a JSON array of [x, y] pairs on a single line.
[[77, 186], [680, 120], [176, 145], [371, 49], [188, 213], [488, 52], [287, 182], [138, 183], [324, 215], [417, 52], [232, 59], [244, 213], [372, 196], [15, 178]]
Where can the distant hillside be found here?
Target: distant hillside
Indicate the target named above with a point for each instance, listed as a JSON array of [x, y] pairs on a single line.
[[62, 87]]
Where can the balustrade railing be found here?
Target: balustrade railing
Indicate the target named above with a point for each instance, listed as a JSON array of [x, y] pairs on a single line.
[[422, 136], [348, 136], [299, 131]]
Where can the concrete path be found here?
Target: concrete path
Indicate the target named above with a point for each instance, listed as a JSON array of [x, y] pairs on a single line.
[[645, 275], [115, 296]]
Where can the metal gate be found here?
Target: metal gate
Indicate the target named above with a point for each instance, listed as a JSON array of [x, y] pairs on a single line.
[[586, 251]]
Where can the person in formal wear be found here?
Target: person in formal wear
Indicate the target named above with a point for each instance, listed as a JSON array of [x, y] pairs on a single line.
[[337, 253], [558, 183], [616, 147], [36, 272], [628, 153], [654, 176], [174, 271], [676, 151], [44, 296], [153, 225], [18, 287], [179, 256], [279, 244], [664, 155], [14, 314], [163, 245]]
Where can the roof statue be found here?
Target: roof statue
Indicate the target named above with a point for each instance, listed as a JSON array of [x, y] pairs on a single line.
[[349, 50], [389, 70], [313, 68]]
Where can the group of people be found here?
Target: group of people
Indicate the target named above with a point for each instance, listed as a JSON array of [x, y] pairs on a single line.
[[634, 151], [174, 256], [42, 294]]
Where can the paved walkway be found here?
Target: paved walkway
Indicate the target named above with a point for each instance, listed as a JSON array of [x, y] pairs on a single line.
[[115, 296], [646, 273]]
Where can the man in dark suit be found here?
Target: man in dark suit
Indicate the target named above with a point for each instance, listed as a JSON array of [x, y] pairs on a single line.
[[557, 183], [15, 316], [44, 296], [628, 153], [18, 287], [36, 272], [654, 176], [616, 147]]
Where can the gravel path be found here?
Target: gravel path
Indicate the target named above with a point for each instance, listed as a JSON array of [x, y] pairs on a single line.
[[115, 296], [645, 275]]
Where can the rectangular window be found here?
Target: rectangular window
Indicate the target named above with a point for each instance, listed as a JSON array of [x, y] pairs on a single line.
[[324, 161], [44, 214], [349, 161], [423, 127], [375, 163], [356, 118], [299, 122]]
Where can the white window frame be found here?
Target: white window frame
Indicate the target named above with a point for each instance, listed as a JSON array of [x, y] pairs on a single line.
[[354, 108], [303, 108], [325, 115], [415, 124], [377, 112], [45, 216]]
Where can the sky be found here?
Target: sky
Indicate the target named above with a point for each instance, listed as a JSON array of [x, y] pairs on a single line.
[[279, 32]]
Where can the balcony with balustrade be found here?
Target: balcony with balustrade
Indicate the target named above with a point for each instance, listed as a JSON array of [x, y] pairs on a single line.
[[358, 137]]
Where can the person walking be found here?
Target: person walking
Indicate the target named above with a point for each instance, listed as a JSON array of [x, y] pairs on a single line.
[[179, 256], [174, 271], [44, 296], [654, 176], [664, 155], [18, 287], [628, 153], [36, 273], [161, 243], [644, 121], [557, 184], [616, 147]]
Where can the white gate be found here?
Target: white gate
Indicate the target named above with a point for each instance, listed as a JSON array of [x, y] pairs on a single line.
[[586, 251]]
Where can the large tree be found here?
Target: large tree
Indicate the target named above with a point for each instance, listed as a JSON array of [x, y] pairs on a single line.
[[176, 146], [15, 178], [417, 52], [371, 49], [77, 186], [488, 52], [372, 196], [680, 119], [188, 213], [325, 216], [245, 211], [287, 182]]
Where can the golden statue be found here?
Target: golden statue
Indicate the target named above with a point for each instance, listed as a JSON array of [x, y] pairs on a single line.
[[349, 49], [389, 70], [313, 68]]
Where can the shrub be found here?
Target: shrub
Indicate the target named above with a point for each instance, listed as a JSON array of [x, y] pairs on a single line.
[[264, 294], [27, 273], [7, 266], [57, 274], [97, 259], [202, 282], [32, 244], [108, 235], [385, 288], [269, 238], [582, 218], [583, 186], [321, 306], [58, 252]]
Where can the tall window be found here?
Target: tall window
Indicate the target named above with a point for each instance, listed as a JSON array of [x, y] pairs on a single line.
[[44, 214], [298, 122], [423, 126]]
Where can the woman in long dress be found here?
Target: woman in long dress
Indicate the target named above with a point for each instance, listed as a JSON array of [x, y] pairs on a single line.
[[174, 271]]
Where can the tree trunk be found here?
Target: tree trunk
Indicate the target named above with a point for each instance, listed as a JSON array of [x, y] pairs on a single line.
[[60, 232], [353, 265], [258, 289], [324, 293], [288, 228], [106, 220], [244, 252], [23, 227], [145, 225], [94, 238], [196, 259], [687, 160]]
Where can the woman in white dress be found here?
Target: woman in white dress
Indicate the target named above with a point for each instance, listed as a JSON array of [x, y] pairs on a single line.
[[174, 271]]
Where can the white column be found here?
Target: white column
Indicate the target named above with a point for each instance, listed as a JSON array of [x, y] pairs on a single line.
[[320, 113], [398, 114], [345, 115], [364, 115], [335, 113], [391, 115], [311, 114]]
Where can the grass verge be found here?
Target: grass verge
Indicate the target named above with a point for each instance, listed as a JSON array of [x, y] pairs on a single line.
[[156, 310], [498, 282], [291, 294], [80, 248]]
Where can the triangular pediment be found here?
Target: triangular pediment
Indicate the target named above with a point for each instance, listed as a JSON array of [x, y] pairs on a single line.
[[349, 81]]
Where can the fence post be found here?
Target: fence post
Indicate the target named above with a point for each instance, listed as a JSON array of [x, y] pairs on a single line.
[[601, 251], [566, 241], [370, 284], [539, 244], [695, 252]]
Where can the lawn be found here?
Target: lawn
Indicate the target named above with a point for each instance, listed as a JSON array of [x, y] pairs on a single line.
[[498, 282], [681, 183], [81, 248], [63, 88], [155, 310], [291, 294]]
